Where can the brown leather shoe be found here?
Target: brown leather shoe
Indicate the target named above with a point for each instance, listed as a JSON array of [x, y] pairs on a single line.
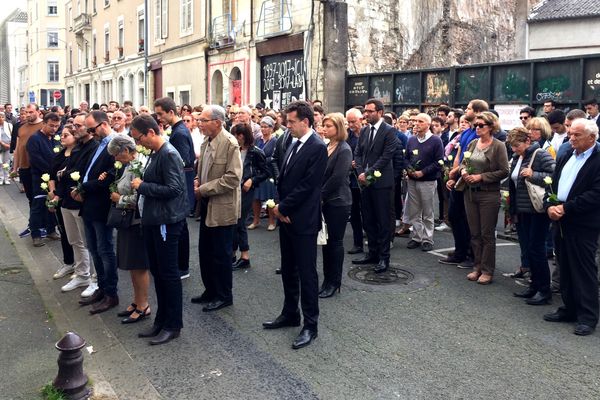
[[105, 305], [94, 298]]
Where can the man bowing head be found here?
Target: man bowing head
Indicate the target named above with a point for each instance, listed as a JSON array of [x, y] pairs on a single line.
[[299, 213]]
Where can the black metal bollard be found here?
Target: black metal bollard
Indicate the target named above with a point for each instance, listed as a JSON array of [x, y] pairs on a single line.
[[71, 379]]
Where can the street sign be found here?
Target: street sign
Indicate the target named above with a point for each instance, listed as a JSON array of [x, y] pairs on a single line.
[[57, 94], [32, 96]]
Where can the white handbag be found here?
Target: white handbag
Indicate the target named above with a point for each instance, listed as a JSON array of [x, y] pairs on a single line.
[[536, 193], [322, 236]]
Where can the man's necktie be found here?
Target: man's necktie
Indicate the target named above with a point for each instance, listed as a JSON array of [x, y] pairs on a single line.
[[371, 136], [292, 154]]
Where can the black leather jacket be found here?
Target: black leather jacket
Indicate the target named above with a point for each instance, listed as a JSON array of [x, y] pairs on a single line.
[[164, 188], [255, 167]]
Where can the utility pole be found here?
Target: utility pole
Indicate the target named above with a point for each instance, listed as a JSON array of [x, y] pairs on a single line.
[[146, 97], [335, 54]]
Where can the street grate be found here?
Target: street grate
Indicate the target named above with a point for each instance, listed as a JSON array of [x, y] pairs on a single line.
[[393, 276]]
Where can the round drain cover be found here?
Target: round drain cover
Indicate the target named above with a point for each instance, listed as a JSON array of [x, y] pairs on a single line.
[[393, 276]]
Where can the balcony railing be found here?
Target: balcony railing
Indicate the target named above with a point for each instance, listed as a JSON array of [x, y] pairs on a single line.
[[81, 23], [222, 33], [275, 18]]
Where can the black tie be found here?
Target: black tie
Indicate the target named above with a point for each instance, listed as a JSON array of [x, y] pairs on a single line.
[[371, 136], [292, 154]]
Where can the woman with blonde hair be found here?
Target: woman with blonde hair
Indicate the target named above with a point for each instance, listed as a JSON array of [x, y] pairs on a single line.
[[541, 132], [336, 199], [484, 165]]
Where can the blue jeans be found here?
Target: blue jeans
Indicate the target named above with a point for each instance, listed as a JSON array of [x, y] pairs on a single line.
[[99, 238], [40, 218]]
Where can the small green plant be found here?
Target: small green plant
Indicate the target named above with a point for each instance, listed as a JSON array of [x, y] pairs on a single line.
[[49, 392]]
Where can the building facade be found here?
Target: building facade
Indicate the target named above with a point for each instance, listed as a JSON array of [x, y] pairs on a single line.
[[46, 48], [105, 51], [13, 55]]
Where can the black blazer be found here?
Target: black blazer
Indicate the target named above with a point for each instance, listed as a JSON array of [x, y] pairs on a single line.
[[277, 158], [255, 167], [581, 207], [379, 156], [299, 186], [336, 182], [96, 196]]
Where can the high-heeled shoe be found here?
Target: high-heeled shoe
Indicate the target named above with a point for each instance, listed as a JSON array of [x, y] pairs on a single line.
[[127, 312], [140, 316], [329, 291]]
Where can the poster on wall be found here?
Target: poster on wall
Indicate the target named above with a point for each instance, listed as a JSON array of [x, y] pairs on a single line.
[[283, 79], [509, 115]]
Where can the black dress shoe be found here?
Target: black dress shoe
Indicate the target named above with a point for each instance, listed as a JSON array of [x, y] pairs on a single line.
[[203, 298], [216, 305], [355, 250], [412, 244], [367, 259], [382, 266], [155, 330], [164, 337], [140, 316], [558, 317], [106, 304], [329, 291], [278, 271], [305, 337], [281, 322], [94, 298], [583, 330], [242, 263], [539, 299], [527, 294]]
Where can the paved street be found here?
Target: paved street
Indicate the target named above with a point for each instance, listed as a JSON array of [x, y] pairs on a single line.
[[438, 337]]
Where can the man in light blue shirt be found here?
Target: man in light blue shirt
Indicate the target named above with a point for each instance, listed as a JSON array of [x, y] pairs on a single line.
[[576, 182]]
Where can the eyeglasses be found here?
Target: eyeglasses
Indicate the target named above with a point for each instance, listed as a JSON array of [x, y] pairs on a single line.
[[522, 118], [93, 130], [369, 111], [480, 126]]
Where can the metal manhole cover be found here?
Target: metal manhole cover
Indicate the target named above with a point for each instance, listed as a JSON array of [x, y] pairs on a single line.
[[393, 276]]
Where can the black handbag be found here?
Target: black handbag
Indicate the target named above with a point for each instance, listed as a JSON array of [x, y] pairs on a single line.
[[120, 217]]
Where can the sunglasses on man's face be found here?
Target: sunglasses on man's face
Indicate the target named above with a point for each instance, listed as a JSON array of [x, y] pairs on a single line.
[[93, 130]]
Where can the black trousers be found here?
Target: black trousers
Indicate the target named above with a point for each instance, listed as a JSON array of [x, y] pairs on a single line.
[[336, 218], [299, 275], [67, 249], [25, 179], [376, 210], [183, 252], [162, 256], [215, 253], [356, 218], [578, 273], [532, 229], [460, 226], [240, 236]]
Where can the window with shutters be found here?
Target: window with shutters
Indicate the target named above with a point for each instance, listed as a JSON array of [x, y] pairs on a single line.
[[52, 7], [186, 17], [161, 20], [53, 71]]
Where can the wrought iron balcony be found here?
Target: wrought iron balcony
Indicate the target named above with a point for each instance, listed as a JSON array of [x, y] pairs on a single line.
[[82, 23], [222, 33], [275, 18]]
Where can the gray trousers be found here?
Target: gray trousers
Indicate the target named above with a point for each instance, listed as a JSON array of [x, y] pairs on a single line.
[[76, 235], [482, 213], [420, 208]]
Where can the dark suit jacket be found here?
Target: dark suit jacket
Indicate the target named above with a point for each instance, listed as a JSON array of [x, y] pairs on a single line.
[[277, 158], [336, 182], [40, 149], [379, 156], [181, 139], [96, 196], [299, 186], [582, 209]]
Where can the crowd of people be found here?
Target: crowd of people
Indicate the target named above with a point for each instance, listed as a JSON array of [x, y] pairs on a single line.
[[90, 171]]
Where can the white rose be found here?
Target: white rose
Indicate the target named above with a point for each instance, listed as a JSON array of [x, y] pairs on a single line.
[[271, 203], [75, 176], [45, 177]]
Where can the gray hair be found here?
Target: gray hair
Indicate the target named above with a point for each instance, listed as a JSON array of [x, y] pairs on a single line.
[[268, 121], [246, 109], [2, 114], [216, 112], [354, 111], [589, 126], [119, 143]]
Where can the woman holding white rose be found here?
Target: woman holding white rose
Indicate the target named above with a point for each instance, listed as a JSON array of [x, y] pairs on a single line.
[[484, 165], [131, 248], [336, 198], [530, 164]]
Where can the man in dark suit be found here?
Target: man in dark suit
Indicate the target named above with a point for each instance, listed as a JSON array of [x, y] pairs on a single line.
[[576, 183], [375, 152], [299, 212], [593, 110], [354, 119], [95, 197]]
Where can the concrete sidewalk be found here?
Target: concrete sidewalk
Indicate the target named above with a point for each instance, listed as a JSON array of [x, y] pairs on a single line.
[[27, 330]]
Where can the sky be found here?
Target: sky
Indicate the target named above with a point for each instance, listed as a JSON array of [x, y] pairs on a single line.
[[9, 6]]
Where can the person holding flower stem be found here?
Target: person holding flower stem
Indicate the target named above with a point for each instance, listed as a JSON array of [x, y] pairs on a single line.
[[424, 152], [572, 202], [40, 150], [484, 165]]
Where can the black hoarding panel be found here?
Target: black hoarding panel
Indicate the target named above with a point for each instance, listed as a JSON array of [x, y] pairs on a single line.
[[357, 91], [558, 81], [283, 79]]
